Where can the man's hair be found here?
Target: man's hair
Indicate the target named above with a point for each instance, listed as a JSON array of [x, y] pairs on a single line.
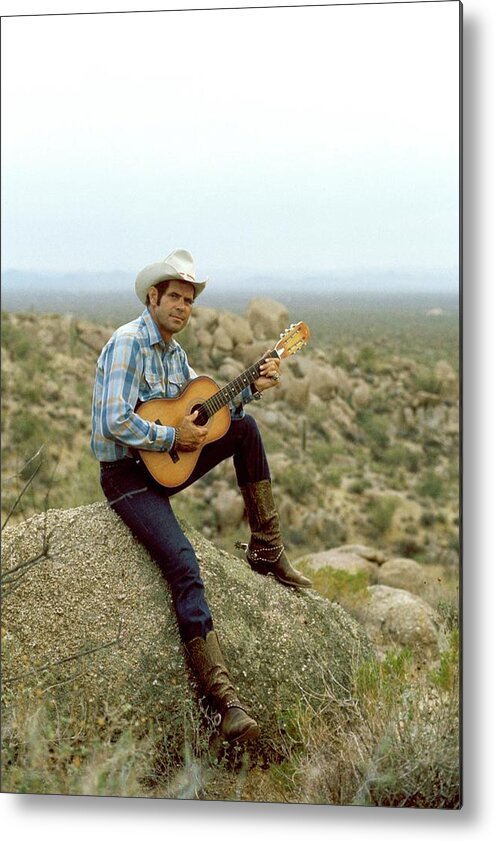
[[162, 286]]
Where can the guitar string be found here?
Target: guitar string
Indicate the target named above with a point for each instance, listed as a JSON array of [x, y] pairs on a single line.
[[228, 392]]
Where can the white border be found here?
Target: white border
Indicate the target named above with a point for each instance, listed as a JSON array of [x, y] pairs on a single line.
[[54, 818]]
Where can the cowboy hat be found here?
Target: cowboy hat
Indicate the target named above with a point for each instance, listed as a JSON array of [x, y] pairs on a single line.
[[179, 265]]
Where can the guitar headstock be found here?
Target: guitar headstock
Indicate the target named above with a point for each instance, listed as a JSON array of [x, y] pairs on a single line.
[[292, 339]]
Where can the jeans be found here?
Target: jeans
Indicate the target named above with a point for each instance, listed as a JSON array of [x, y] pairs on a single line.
[[144, 506]]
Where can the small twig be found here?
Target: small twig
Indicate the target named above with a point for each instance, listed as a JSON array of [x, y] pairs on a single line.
[[61, 682], [10, 586], [18, 474], [21, 494], [21, 566]]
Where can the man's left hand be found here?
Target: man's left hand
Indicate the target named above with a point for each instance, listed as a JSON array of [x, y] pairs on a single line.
[[270, 375]]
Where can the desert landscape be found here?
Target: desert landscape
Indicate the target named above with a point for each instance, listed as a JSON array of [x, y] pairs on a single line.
[[356, 682]]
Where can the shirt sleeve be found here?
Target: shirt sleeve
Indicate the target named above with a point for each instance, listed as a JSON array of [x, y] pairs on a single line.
[[237, 404], [123, 365]]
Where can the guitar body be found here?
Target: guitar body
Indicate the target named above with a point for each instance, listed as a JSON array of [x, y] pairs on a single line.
[[203, 395], [171, 470]]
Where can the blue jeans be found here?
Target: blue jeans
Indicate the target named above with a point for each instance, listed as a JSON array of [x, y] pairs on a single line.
[[144, 506]]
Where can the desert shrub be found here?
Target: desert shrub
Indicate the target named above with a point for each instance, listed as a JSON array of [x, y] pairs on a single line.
[[26, 432], [367, 359], [380, 404], [415, 755], [15, 339], [333, 478], [380, 514], [430, 486], [358, 486], [297, 481], [445, 674], [427, 519], [399, 455], [382, 681], [448, 612], [409, 546], [19, 342], [425, 380], [332, 533], [393, 742], [317, 419], [416, 764], [337, 585], [343, 359], [375, 428], [321, 452], [82, 487]]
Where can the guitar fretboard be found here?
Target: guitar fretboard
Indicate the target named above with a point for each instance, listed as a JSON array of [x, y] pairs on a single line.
[[229, 391]]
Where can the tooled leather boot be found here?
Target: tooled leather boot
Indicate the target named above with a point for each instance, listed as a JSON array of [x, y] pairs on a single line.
[[265, 551], [208, 665]]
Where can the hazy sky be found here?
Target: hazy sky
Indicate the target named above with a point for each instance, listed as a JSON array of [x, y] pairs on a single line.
[[294, 139]]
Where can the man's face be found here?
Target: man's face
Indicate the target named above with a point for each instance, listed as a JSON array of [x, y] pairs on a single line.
[[173, 311]]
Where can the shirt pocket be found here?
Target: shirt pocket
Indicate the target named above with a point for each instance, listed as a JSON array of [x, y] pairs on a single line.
[[175, 385], [152, 384]]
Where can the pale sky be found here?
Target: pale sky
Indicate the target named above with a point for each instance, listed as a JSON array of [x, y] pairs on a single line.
[[287, 139]]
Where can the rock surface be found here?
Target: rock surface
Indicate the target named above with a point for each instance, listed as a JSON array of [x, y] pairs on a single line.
[[91, 622], [393, 616], [405, 574], [344, 561]]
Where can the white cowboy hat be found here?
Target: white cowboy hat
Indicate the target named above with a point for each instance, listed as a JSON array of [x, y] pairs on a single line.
[[179, 265]]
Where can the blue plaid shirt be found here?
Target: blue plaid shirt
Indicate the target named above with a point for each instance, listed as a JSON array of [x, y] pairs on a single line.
[[135, 365]]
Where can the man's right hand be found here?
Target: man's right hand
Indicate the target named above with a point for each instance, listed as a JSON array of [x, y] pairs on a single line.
[[190, 436]]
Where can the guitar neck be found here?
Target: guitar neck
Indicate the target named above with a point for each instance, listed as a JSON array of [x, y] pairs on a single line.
[[229, 391]]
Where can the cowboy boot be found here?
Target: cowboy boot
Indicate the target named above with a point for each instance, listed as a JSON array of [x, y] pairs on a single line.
[[265, 551], [209, 667]]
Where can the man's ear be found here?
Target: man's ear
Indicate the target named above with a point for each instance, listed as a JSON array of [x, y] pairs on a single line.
[[153, 295]]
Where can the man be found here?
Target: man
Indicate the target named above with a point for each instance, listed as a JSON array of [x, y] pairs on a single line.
[[142, 361]]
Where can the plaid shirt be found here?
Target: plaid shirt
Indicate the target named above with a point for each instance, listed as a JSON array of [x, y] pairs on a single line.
[[135, 365]]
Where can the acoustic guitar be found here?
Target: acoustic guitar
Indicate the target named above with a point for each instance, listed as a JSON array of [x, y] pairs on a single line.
[[202, 394]]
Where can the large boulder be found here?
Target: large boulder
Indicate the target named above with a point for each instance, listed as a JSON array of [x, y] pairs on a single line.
[[392, 616], [267, 318], [405, 574], [229, 508], [204, 318], [236, 327], [88, 622], [370, 553], [342, 561], [361, 395], [293, 390], [222, 340]]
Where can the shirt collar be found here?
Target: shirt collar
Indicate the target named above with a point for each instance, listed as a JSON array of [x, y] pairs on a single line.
[[154, 334]]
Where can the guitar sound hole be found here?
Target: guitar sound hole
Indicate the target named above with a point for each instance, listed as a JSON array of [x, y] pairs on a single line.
[[202, 417]]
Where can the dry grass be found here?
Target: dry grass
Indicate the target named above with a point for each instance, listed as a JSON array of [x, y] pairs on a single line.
[[393, 740]]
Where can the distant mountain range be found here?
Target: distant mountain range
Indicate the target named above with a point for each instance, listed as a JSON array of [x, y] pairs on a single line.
[[80, 283], [88, 291]]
